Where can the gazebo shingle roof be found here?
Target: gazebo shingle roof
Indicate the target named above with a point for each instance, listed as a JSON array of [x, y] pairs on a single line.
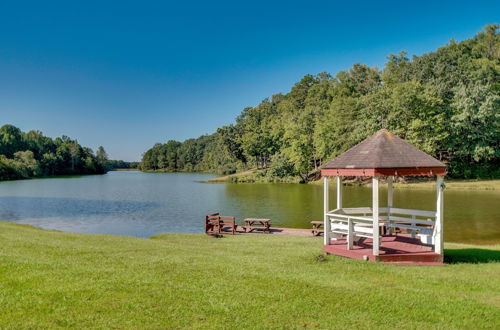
[[385, 151]]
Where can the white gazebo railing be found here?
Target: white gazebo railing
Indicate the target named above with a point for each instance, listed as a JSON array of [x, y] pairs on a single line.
[[366, 222], [356, 223]]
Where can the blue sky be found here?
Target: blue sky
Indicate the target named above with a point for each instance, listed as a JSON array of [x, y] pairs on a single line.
[[127, 74]]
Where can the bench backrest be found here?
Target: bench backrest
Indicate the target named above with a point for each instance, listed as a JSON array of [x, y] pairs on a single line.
[[218, 218], [212, 218]]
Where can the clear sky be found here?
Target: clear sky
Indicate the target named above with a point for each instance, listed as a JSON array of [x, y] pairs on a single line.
[[127, 74]]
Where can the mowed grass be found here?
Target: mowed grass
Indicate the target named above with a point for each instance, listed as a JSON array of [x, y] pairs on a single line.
[[50, 279]]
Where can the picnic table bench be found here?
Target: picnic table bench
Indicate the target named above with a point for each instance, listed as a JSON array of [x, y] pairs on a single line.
[[316, 230], [264, 224], [216, 224]]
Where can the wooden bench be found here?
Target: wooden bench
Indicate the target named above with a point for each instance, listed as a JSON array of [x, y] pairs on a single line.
[[215, 223], [264, 224], [212, 223], [316, 229]]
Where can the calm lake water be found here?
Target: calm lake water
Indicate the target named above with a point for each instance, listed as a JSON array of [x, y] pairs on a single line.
[[145, 204]]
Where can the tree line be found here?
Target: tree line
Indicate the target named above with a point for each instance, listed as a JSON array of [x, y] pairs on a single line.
[[446, 102], [112, 164], [31, 154]]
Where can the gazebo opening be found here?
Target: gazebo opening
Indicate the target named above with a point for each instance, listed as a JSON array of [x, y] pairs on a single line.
[[384, 232]]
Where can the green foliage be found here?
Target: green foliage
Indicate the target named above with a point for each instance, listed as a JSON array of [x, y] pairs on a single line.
[[11, 140], [26, 163], [120, 164], [476, 121], [281, 166], [26, 155], [445, 102], [101, 155]]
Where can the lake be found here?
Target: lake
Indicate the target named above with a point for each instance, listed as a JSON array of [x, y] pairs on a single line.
[[144, 204]]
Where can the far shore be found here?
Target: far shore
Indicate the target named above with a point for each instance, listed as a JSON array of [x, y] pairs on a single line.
[[454, 184], [246, 177]]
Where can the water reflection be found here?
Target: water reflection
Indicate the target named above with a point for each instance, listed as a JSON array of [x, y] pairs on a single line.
[[143, 204], [470, 216], [48, 207]]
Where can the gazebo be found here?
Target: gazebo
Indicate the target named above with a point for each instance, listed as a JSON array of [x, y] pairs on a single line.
[[386, 233]]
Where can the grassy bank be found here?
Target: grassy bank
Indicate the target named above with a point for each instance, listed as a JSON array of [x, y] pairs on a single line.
[[53, 279], [455, 184], [451, 184], [244, 176], [254, 176]]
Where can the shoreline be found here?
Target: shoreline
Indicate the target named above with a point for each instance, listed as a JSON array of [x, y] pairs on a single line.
[[275, 231], [451, 184], [58, 176]]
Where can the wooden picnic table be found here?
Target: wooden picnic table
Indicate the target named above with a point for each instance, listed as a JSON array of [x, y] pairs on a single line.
[[316, 230], [264, 224]]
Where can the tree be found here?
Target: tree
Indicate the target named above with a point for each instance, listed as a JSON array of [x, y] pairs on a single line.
[[397, 69], [488, 44], [74, 151], [476, 127], [10, 140], [49, 163], [27, 163], [102, 156]]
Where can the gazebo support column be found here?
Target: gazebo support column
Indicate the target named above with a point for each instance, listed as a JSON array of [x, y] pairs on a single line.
[[375, 212], [326, 225], [339, 206], [438, 230], [339, 192], [390, 200]]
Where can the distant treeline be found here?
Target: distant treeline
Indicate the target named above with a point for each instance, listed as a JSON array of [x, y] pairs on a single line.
[[446, 103], [120, 164], [31, 154]]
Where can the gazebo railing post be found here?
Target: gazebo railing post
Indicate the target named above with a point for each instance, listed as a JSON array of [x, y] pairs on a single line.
[[339, 192], [438, 229], [390, 202], [375, 213], [350, 233], [339, 187], [326, 224]]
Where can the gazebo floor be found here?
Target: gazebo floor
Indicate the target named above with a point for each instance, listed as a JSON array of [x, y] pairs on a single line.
[[396, 249]]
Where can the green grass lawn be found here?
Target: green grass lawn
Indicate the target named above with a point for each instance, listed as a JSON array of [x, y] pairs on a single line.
[[52, 279]]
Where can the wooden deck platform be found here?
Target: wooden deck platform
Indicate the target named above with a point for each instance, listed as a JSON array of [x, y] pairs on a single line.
[[274, 231], [400, 249]]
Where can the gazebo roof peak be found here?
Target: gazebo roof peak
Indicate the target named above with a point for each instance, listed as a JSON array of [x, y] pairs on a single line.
[[382, 154]]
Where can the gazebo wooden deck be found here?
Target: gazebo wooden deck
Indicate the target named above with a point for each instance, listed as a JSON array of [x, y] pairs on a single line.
[[373, 232]]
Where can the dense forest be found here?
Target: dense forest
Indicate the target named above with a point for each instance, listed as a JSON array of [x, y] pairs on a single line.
[[31, 154], [445, 102], [120, 164]]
